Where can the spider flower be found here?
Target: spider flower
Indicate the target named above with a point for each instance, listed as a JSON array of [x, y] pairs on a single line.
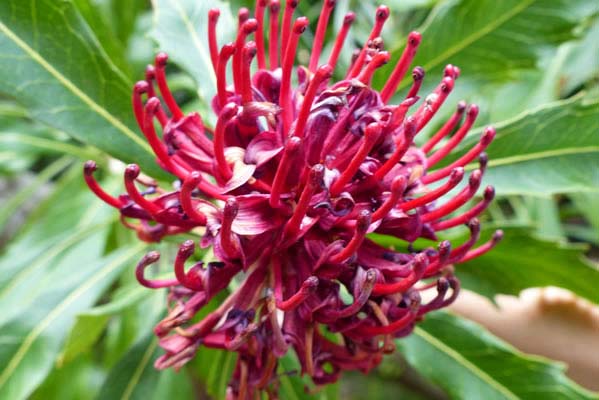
[[286, 189]]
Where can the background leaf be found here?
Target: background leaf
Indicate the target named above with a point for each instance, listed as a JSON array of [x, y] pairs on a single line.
[[552, 149], [470, 363], [66, 80], [522, 261]]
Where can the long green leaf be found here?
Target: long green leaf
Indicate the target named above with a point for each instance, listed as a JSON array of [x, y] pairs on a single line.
[[470, 363], [33, 339], [493, 40], [61, 74], [521, 261], [552, 149]]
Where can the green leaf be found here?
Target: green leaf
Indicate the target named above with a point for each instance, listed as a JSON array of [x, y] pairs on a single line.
[[551, 149], [493, 40], [62, 75], [17, 200], [78, 380], [134, 376], [33, 338], [470, 363], [520, 261], [181, 28], [91, 323]]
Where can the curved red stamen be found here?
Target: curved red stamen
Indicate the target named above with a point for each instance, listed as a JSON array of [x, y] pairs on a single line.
[[245, 30], [185, 252], [433, 102], [454, 179], [285, 96], [291, 148], [224, 117], [399, 114], [221, 74], [150, 78], [419, 265], [418, 78], [260, 7], [468, 215], [444, 252], [398, 185], [485, 140], [140, 88], [321, 29], [189, 185], [479, 251], [323, 73], [157, 145], [362, 225], [402, 66], [471, 115], [459, 200], [160, 65], [147, 260], [401, 148], [249, 52], [273, 39], [88, 174], [377, 61], [360, 299], [307, 288], [459, 252], [131, 173], [340, 39], [213, 15], [447, 128], [226, 234], [314, 182], [387, 329], [382, 13], [290, 6], [371, 134]]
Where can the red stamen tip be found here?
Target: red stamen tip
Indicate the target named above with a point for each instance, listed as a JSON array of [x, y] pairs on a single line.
[[418, 74], [150, 258], [414, 38], [249, 26], [382, 13], [300, 25], [447, 85], [132, 171], [497, 236], [475, 177], [349, 18], [89, 167], [316, 175], [399, 184], [363, 222], [275, 6], [213, 14], [457, 174], [141, 87], [487, 136], [231, 208], [489, 194], [161, 60], [186, 249]]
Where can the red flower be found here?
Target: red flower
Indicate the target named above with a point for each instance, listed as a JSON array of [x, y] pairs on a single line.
[[287, 187]]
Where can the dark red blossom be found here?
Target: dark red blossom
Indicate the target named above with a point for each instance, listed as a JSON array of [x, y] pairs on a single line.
[[287, 188]]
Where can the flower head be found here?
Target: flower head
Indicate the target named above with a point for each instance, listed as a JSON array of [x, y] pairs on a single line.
[[286, 189]]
